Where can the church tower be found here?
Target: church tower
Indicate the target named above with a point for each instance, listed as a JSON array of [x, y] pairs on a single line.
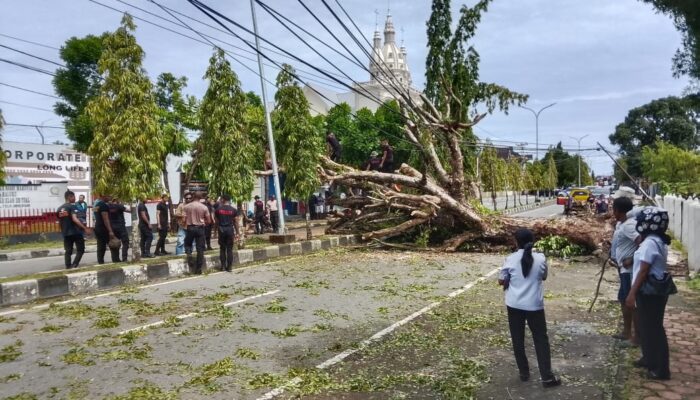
[[389, 62]]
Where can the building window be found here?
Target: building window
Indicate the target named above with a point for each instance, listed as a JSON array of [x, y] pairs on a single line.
[[390, 55]]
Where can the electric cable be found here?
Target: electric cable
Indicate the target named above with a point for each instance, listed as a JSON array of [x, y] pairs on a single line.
[[31, 55], [29, 90], [25, 106], [29, 67]]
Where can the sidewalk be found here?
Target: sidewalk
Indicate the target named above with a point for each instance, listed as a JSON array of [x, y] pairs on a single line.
[[682, 323], [58, 251]]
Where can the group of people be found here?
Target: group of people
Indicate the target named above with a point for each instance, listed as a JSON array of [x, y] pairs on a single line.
[[639, 249], [196, 217], [385, 163]]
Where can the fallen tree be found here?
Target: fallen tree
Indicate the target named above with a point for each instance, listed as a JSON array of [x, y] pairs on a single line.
[[437, 196]]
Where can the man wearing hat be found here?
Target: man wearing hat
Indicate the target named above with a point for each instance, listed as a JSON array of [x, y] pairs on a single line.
[[374, 162]]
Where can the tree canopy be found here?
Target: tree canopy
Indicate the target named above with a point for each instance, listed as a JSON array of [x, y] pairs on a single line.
[[566, 167], [675, 169], [127, 147], [671, 120], [77, 84]]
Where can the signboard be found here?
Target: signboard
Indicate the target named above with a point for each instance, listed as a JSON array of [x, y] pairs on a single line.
[[32, 196], [33, 163]]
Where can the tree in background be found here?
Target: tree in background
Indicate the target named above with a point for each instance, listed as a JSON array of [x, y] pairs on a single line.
[[227, 158], [550, 175], [340, 121], [78, 83], [257, 131], [566, 166], [675, 169], [492, 176], [127, 146], [686, 17], [3, 157], [176, 114], [299, 141], [515, 178], [672, 120], [391, 124]]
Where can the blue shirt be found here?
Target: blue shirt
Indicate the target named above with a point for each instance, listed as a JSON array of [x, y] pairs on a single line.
[[524, 293], [654, 252]]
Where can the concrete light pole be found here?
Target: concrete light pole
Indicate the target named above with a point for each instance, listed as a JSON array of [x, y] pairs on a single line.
[[268, 122], [537, 127], [579, 155]]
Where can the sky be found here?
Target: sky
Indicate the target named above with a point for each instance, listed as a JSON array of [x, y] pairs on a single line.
[[595, 59]]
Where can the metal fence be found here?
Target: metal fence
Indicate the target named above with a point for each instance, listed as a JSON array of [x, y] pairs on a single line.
[[28, 221]]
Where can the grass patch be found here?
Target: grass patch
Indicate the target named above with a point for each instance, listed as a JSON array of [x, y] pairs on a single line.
[[462, 379], [133, 353], [312, 287], [107, 319], [5, 320], [52, 328], [183, 293], [210, 372], [10, 378], [72, 310], [143, 308], [264, 380], [78, 356], [276, 306], [22, 396], [289, 331], [147, 391], [325, 314], [218, 296], [694, 283], [11, 352]]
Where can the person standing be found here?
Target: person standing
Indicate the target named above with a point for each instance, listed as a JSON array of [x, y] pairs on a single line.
[[210, 226], [181, 224], [521, 276], [259, 215], [162, 223], [387, 163], [624, 244], [225, 216], [334, 147], [374, 162], [145, 229], [103, 228], [72, 230], [650, 262], [118, 223], [196, 217], [82, 207], [274, 212]]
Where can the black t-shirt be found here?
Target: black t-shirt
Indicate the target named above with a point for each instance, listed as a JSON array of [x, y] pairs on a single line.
[[335, 144], [225, 215], [97, 209], [164, 212], [142, 208], [389, 151], [116, 215], [259, 208], [373, 163], [65, 219]]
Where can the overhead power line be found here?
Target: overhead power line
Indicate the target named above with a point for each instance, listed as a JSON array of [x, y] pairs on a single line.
[[36, 126], [29, 41], [31, 55], [26, 106], [29, 67], [29, 90]]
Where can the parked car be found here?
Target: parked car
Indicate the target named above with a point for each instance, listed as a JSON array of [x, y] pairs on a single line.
[[562, 198]]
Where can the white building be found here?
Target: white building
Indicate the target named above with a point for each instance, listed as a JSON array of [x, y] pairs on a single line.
[[389, 64]]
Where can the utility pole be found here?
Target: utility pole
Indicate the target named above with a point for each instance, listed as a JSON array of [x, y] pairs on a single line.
[[537, 134], [268, 122], [579, 155]]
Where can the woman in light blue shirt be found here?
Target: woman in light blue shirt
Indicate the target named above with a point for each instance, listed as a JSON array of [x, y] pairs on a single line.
[[650, 261], [521, 277]]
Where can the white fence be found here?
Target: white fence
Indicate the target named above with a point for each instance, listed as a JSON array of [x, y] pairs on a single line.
[[684, 218]]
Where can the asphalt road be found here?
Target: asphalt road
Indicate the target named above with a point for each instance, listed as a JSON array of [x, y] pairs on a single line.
[[550, 211]]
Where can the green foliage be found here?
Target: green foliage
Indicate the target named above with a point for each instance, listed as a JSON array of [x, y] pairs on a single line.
[[77, 84], [299, 142], [551, 175], [340, 121], [79, 356], [11, 352], [671, 120], [452, 65], [127, 147], [566, 166], [148, 391], [558, 246], [675, 169], [686, 16], [493, 175], [227, 158]]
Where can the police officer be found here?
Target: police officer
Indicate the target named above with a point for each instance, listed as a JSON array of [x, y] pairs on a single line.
[[118, 222], [145, 229], [72, 230], [163, 223], [225, 216], [259, 208], [103, 228]]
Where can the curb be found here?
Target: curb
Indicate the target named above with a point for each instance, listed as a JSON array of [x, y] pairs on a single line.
[[77, 283], [527, 207], [29, 254]]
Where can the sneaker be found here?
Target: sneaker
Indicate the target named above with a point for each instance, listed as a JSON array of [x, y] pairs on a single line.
[[552, 382]]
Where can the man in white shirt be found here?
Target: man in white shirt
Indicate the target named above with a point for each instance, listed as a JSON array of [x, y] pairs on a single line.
[[274, 212], [624, 244]]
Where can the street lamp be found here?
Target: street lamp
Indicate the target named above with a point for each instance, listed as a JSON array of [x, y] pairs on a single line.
[[579, 155], [537, 127]]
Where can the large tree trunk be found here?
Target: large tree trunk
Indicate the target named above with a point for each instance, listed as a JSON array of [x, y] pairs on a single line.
[[136, 247], [309, 233]]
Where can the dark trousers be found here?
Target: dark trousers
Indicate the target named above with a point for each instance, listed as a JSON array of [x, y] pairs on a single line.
[[207, 235], [259, 224], [68, 242], [146, 239], [195, 234], [538, 327], [274, 220], [226, 235], [162, 235], [102, 237], [650, 310], [121, 233]]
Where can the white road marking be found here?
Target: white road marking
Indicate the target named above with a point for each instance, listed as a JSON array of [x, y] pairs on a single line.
[[194, 314], [365, 343]]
